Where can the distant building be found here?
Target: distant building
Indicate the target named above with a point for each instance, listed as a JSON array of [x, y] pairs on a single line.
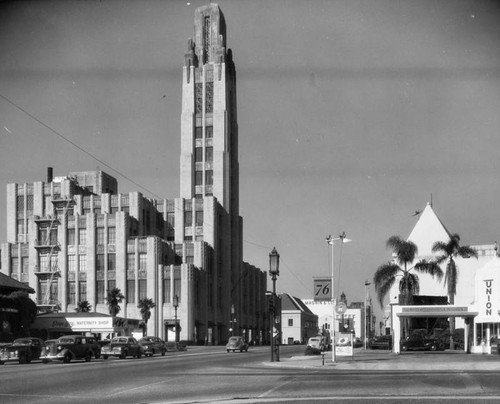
[[353, 320], [74, 237], [298, 323]]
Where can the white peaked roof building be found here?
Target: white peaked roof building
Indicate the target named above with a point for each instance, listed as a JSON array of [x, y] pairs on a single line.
[[478, 285]]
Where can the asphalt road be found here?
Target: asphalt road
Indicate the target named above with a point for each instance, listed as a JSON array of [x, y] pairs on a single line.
[[209, 375]]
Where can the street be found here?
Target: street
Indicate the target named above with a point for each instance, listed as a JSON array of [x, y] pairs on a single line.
[[209, 374]]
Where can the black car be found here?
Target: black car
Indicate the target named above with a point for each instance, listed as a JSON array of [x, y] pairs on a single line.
[[381, 342], [22, 350], [152, 345], [420, 343]]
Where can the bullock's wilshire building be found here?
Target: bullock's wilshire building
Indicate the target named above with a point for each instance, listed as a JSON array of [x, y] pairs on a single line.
[[74, 237], [477, 301]]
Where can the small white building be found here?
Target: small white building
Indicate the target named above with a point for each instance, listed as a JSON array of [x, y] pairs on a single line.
[[478, 290], [298, 323]]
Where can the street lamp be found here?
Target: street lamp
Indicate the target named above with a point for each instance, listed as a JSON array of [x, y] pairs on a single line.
[[176, 304], [274, 264], [331, 241], [366, 322]]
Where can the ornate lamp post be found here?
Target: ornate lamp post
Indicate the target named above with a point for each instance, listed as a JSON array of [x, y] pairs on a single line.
[[176, 304], [274, 263]]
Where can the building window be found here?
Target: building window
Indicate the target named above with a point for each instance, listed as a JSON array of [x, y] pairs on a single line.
[[198, 154], [171, 219], [143, 292], [131, 291], [198, 178], [99, 262], [82, 236], [142, 261], [209, 177], [209, 100], [166, 288], [71, 263], [82, 263], [290, 322], [111, 262], [198, 96], [199, 218], [177, 283], [130, 262], [100, 235], [209, 154], [82, 293], [111, 235], [111, 285], [14, 264], [100, 292], [209, 132], [71, 236], [20, 226], [198, 132], [188, 218], [25, 265], [71, 292]]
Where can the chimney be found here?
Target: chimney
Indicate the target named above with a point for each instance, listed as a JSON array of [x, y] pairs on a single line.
[[49, 174]]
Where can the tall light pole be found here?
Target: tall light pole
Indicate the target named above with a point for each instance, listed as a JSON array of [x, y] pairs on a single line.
[[365, 304], [274, 264], [330, 240], [176, 304]]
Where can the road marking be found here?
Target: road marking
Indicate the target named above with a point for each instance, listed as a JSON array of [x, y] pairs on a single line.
[[276, 388]]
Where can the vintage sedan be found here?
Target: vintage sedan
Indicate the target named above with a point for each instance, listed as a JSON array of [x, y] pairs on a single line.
[[237, 344], [122, 347], [68, 348], [152, 345], [420, 343], [22, 350]]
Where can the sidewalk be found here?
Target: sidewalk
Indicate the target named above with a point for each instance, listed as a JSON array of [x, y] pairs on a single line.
[[387, 361]]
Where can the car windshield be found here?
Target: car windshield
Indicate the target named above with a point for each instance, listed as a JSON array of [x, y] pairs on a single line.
[[234, 339], [119, 340]]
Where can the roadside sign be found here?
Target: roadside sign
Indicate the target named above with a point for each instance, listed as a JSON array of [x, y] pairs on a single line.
[[322, 289]]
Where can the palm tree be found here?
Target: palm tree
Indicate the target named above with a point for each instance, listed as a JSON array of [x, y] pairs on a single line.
[[145, 305], [113, 299], [448, 251], [387, 274], [83, 306]]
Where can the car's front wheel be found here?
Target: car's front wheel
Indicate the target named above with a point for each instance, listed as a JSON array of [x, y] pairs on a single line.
[[433, 347], [139, 355], [404, 348], [67, 358], [88, 356], [123, 355], [105, 357]]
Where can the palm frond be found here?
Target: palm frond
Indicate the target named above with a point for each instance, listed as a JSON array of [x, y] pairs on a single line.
[[384, 278], [467, 252], [429, 267]]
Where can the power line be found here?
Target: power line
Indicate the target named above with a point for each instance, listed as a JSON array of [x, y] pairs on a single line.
[[77, 146]]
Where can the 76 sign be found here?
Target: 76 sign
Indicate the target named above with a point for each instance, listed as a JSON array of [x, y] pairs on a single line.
[[322, 289]]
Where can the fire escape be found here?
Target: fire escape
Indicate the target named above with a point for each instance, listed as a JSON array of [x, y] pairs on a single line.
[[48, 248]]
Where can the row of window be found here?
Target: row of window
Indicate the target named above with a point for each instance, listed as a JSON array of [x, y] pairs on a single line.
[[73, 298]]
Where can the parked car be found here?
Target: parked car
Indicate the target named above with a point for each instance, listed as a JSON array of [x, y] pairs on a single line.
[[357, 343], [315, 345], [96, 346], [122, 347], [152, 345], [237, 344], [68, 348], [420, 343], [381, 342], [22, 350], [182, 346]]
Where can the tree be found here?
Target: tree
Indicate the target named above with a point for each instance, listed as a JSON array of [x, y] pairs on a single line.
[[145, 305], [83, 307], [113, 299], [387, 274], [448, 251]]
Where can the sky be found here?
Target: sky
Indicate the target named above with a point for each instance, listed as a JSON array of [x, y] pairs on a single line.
[[352, 116]]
